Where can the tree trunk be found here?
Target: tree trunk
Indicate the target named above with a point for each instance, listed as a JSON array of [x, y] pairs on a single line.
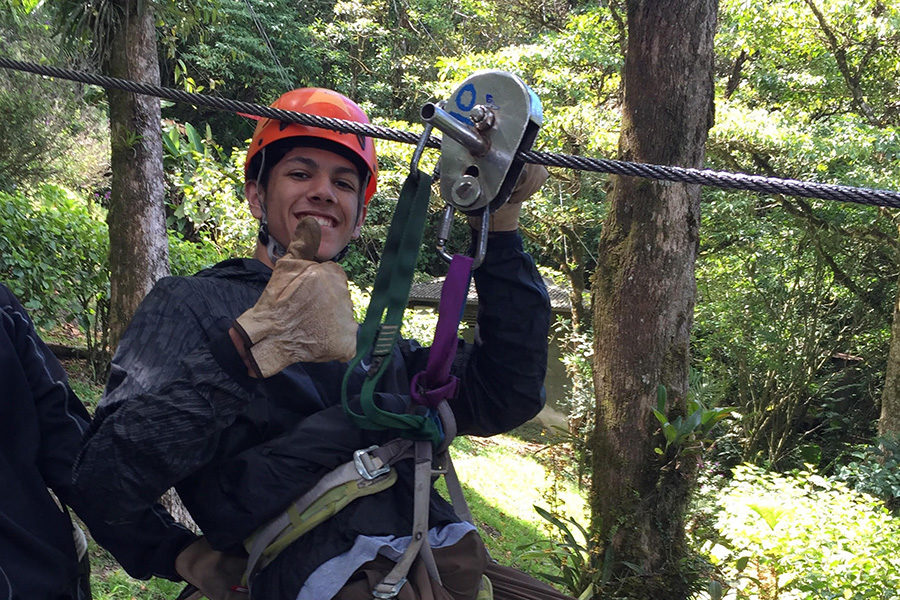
[[138, 246], [575, 275], [889, 422], [643, 297]]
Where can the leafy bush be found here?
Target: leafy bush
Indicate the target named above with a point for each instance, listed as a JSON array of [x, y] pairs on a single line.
[[802, 536], [874, 470], [205, 201], [186, 258], [50, 127], [565, 559], [53, 255], [687, 435]]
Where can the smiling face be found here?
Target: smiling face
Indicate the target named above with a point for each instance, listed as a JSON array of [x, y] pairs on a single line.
[[310, 182]]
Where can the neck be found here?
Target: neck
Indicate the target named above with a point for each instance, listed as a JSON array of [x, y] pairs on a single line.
[[262, 255]]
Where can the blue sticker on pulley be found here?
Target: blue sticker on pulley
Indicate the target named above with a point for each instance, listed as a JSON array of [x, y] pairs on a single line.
[[466, 89]]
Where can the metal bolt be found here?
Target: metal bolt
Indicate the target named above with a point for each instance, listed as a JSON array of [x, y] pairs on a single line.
[[482, 117], [466, 191]]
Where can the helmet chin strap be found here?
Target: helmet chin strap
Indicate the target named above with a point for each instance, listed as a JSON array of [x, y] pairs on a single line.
[[274, 248]]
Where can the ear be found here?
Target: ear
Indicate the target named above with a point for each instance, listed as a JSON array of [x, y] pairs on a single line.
[[254, 195], [359, 222]]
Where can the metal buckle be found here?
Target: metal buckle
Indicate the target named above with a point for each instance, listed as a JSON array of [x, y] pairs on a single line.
[[395, 589], [366, 466]]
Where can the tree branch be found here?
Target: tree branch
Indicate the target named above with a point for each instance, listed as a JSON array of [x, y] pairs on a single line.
[[840, 56], [734, 80]]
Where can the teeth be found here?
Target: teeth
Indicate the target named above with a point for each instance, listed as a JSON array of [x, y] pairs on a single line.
[[322, 221]]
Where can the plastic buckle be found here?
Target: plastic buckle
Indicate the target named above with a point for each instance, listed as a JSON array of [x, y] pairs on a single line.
[[366, 467], [392, 593]]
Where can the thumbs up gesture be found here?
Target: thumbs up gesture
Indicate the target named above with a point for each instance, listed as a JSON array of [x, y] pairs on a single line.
[[304, 314]]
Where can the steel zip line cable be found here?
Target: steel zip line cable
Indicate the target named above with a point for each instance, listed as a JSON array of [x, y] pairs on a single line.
[[707, 177], [262, 32]]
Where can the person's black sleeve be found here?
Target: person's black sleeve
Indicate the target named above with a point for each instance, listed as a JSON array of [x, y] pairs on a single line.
[[62, 418], [502, 373], [166, 403]]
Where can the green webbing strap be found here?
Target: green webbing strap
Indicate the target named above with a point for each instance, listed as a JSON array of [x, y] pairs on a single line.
[[384, 316]]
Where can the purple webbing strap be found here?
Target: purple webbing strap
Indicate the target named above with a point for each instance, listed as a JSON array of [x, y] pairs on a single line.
[[435, 384]]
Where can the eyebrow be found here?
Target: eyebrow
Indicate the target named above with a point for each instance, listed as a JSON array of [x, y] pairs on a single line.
[[313, 164]]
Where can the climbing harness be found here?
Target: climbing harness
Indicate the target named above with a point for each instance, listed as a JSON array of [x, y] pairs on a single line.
[[478, 169], [707, 177]]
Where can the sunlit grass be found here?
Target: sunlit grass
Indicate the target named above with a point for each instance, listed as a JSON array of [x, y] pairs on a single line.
[[502, 481], [509, 472]]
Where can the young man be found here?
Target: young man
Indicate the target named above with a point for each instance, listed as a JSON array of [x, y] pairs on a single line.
[[227, 384]]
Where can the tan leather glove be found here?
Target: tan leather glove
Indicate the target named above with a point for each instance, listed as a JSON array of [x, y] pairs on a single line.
[[304, 314], [506, 218], [214, 574]]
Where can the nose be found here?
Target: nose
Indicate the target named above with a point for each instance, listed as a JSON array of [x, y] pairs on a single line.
[[322, 189]]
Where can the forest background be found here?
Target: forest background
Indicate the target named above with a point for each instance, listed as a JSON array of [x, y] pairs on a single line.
[[790, 419]]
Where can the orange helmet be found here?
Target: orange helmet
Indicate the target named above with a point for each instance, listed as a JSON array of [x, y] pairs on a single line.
[[324, 103]]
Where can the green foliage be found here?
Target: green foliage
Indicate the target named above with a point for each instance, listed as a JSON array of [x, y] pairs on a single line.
[[577, 356], [116, 584], [204, 201], [803, 536], [88, 389], [566, 558], [47, 125], [686, 434], [19, 8], [87, 25], [874, 470], [187, 258], [845, 59], [53, 253], [795, 298], [229, 56], [775, 316]]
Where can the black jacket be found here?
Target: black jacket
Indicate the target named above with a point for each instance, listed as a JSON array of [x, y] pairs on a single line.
[[180, 410], [41, 425]]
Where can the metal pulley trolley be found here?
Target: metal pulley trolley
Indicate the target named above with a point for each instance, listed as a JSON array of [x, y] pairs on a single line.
[[486, 122]]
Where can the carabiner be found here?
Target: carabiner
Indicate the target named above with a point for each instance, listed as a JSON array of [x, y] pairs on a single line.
[[444, 235], [420, 148]]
